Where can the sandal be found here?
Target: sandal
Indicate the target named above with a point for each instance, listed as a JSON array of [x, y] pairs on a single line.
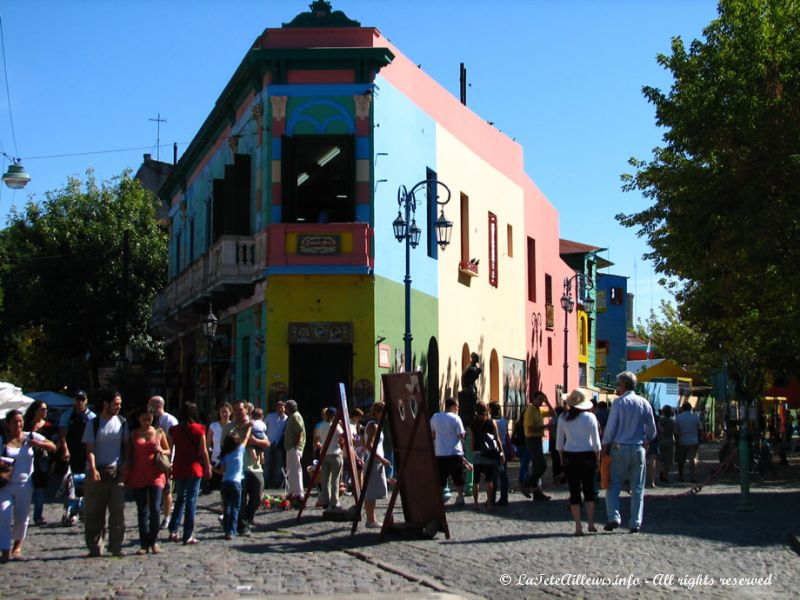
[[173, 537], [191, 541], [141, 552], [592, 529]]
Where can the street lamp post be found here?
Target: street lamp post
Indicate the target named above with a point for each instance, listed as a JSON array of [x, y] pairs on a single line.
[[406, 229], [210, 331], [583, 283]]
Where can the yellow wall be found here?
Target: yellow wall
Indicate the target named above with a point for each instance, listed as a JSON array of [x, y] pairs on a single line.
[[319, 298], [480, 315]]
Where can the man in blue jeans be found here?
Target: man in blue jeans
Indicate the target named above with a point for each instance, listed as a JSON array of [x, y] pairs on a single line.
[[630, 428]]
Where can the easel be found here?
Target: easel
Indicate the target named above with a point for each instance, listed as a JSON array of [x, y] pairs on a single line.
[[342, 417], [423, 508]]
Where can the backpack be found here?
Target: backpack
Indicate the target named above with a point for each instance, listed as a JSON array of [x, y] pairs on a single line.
[[489, 446]]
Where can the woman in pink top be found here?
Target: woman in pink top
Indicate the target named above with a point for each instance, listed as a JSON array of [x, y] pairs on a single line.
[[145, 478]]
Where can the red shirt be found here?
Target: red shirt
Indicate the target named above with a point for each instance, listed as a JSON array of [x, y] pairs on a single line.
[[187, 439], [143, 471]]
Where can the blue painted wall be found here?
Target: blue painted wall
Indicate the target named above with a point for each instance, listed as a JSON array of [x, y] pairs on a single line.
[[407, 136], [612, 320]]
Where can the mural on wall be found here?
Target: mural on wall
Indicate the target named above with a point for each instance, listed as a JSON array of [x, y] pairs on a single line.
[[514, 379]]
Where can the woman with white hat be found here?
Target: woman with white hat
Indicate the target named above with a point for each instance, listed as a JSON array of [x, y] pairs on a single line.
[[578, 443]]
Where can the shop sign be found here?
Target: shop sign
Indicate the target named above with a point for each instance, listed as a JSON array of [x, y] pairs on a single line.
[[319, 244]]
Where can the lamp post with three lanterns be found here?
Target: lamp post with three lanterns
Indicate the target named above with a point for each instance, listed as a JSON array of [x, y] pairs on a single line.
[[406, 229]]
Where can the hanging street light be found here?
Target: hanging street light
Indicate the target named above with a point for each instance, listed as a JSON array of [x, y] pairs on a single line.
[[16, 177], [406, 229]]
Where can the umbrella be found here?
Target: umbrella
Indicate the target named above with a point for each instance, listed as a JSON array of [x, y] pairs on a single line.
[[11, 397]]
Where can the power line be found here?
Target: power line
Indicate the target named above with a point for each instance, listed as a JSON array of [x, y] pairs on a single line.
[[8, 92], [27, 158]]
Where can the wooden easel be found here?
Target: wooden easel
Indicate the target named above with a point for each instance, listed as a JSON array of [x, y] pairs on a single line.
[[342, 417], [408, 451]]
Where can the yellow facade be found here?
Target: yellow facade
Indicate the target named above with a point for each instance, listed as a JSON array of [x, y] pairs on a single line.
[[323, 299], [477, 315]]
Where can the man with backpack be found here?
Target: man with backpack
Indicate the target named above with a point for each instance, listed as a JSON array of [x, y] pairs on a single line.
[[106, 439], [70, 445]]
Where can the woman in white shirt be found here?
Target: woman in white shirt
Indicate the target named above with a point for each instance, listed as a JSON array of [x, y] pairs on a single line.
[[15, 497], [578, 443], [214, 441]]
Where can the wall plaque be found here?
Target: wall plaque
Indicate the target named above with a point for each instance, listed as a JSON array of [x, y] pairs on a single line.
[[319, 244], [320, 333]]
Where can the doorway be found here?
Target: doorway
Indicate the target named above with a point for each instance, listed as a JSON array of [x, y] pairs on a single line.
[[432, 388], [315, 371]]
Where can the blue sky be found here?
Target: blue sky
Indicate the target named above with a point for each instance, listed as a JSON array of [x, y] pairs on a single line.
[[562, 77]]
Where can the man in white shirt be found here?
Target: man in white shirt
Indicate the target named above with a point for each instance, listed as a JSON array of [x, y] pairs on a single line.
[[687, 433], [448, 437], [164, 421], [106, 439], [276, 424]]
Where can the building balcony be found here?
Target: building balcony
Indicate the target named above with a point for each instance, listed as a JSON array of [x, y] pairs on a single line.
[[318, 248], [223, 275]]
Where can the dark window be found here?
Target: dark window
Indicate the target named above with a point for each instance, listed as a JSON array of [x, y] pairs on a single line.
[[433, 247], [616, 295], [465, 257], [531, 269], [318, 174], [191, 240], [231, 203], [548, 289], [549, 351]]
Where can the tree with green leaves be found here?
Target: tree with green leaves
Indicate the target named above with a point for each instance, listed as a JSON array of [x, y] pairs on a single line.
[[79, 272], [725, 186]]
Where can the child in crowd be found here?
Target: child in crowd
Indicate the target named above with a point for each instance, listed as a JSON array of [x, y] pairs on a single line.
[[231, 466], [259, 432]]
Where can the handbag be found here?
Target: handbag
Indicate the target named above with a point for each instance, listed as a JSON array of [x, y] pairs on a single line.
[[161, 459], [489, 446], [605, 471]]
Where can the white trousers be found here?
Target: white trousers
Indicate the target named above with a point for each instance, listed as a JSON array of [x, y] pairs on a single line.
[[294, 471], [15, 500]]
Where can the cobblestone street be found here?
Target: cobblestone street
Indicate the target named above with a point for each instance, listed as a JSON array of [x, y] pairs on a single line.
[[519, 551]]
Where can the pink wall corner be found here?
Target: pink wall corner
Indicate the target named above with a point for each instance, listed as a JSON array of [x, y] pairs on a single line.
[[485, 140]]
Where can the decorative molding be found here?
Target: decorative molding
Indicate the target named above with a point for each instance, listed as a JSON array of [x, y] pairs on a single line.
[[363, 102], [233, 143], [257, 112], [278, 107], [321, 333]]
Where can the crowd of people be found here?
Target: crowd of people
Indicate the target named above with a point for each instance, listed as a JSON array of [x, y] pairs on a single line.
[[164, 462]]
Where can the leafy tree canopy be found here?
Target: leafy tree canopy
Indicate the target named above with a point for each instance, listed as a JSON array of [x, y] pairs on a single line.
[[62, 269], [725, 187]]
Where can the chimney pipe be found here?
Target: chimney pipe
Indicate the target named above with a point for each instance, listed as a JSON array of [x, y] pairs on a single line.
[[463, 79], [175, 153]]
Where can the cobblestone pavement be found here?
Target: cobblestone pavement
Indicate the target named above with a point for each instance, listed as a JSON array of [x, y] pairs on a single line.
[[525, 550]]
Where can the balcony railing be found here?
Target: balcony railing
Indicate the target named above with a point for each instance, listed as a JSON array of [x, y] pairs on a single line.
[[231, 261]]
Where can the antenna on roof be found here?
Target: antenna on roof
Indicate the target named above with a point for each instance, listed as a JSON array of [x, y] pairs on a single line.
[[158, 121]]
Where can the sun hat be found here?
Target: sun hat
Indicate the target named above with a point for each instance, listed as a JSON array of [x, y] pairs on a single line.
[[576, 399]]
